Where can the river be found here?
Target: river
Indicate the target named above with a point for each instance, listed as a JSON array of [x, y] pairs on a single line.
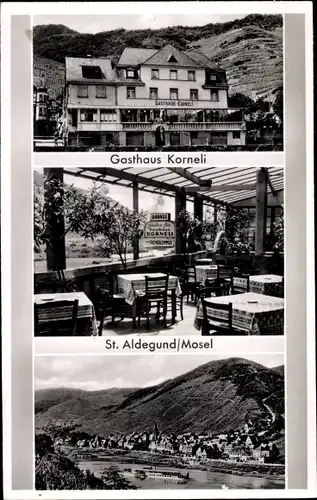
[[198, 479]]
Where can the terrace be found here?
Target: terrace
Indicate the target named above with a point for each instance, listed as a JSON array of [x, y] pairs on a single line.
[[218, 190]]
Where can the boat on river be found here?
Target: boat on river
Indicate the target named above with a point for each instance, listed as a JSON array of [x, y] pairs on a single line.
[[165, 476]]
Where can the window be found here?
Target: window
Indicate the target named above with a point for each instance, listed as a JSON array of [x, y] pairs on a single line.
[[236, 135], [173, 93], [155, 74], [130, 73], [130, 92], [82, 91], [42, 111], [108, 115], [153, 93], [88, 115], [93, 72], [135, 138], [192, 75], [173, 74], [101, 91], [172, 58], [193, 95], [214, 96]]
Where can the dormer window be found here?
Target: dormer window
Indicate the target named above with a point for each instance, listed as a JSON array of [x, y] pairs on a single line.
[[172, 59], [131, 73], [93, 72]]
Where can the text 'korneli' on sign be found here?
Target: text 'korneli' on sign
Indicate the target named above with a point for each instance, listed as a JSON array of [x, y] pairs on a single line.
[[159, 233]]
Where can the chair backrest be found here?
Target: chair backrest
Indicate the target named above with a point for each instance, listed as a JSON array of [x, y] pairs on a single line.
[[46, 317], [191, 273], [182, 275], [218, 316], [240, 283], [210, 291], [156, 287], [224, 271]]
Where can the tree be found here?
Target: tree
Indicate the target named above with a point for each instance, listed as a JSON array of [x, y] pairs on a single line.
[[279, 231], [195, 232], [114, 480], [278, 106], [235, 222], [121, 228], [91, 214], [43, 445]]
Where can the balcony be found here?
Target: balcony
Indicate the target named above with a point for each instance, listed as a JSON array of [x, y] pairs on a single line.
[[184, 126]]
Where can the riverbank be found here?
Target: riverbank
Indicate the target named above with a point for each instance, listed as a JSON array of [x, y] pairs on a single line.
[[265, 471]]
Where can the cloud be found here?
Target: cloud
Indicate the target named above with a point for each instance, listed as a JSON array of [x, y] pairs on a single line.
[[97, 372]]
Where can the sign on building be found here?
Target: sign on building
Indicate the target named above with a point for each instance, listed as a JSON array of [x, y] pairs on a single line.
[[160, 231]]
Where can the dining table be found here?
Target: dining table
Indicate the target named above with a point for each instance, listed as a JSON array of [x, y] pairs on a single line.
[[260, 283], [86, 319], [211, 272], [133, 286], [252, 313]]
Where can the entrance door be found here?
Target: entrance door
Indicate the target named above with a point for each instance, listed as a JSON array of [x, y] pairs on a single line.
[[74, 117], [160, 137], [175, 139]]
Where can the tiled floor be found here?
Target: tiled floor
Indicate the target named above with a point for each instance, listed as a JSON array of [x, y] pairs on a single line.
[[185, 327]]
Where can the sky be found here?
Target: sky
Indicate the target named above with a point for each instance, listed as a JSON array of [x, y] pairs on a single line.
[[97, 372], [96, 24]]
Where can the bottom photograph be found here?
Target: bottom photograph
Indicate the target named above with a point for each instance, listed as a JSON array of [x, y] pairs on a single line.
[[159, 422]]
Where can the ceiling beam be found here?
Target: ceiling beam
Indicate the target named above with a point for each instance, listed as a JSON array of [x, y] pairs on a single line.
[[221, 187], [187, 175], [121, 174], [270, 184]]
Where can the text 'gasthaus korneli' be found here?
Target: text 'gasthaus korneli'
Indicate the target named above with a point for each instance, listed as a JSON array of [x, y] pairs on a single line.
[[172, 159]]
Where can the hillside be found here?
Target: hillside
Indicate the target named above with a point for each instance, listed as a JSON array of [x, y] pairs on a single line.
[[250, 49], [214, 397], [251, 56], [50, 74]]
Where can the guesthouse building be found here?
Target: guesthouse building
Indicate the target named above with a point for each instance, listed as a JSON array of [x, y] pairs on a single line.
[[150, 98]]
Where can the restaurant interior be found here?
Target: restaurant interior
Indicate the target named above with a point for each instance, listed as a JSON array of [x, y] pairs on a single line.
[[214, 269]]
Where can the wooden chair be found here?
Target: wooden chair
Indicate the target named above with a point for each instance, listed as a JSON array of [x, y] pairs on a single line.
[[63, 327], [155, 296], [108, 303], [193, 285], [242, 287], [212, 288], [279, 290], [223, 272], [212, 324]]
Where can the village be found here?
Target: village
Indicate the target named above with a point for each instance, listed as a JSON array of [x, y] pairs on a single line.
[[248, 444]]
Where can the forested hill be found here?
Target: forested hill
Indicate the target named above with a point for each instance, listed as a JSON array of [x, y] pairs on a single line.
[[250, 49]]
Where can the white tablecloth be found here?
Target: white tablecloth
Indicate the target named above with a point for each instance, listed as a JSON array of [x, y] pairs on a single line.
[[131, 284], [253, 313], [85, 308]]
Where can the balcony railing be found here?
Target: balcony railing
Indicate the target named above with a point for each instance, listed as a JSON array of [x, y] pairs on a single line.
[[184, 126]]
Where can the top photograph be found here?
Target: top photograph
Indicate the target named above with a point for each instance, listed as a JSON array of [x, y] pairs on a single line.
[[158, 83]]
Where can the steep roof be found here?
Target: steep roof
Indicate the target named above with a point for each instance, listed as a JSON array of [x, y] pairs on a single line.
[[133, 56], [74, 66], [203, 60], [170, 55]]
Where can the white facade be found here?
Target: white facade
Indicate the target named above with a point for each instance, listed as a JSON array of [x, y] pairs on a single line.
[[179, 103]]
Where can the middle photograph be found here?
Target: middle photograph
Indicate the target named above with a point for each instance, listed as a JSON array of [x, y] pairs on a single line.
[[122, 251]]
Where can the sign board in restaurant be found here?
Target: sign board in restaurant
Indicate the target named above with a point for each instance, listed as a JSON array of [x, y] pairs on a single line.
[[160, 216], [160, 231]]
